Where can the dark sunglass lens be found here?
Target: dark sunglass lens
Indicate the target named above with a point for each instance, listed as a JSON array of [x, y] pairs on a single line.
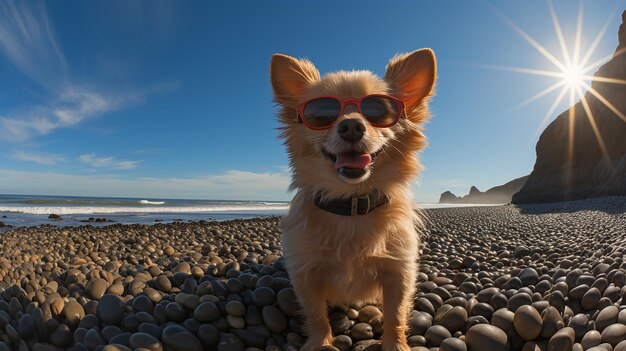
[[321, 112], [380, 110]]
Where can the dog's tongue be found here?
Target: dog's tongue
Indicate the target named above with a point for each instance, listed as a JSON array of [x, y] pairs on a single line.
[[353, 160]]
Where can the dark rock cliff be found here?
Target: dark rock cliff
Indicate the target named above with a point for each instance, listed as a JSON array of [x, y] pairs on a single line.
[[583, 155]]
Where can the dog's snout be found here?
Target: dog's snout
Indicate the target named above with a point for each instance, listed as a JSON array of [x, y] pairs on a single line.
[[351, 130]]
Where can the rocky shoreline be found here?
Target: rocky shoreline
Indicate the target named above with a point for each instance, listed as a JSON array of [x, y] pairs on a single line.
[[491, 278]]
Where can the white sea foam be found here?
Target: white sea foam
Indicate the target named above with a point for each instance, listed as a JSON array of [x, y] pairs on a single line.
[[61, 210], [147, 202]]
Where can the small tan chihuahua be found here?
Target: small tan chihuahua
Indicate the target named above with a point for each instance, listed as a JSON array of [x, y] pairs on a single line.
[[350, 234]]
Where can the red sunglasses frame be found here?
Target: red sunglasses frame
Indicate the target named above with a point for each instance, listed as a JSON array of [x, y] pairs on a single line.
[[355, 102]]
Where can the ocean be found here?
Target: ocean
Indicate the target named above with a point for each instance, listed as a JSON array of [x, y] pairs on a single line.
[[30, 210]]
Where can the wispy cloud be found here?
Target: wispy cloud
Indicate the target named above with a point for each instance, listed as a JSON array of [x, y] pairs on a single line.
[[74, 105], [39, 158], [107, 162], [27, 40], [69, 109], [232, 184]]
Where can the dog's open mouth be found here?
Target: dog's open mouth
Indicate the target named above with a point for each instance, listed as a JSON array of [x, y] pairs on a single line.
[[351, 164]]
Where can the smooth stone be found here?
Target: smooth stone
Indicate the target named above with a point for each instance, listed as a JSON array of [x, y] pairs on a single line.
[[250, 338], [274, 319], [606, 317], [288, 302], [111, 309], [116, 347], [531, 346], [590, 339], [123, 338], [551, 322], [26, 327], [452, 344], [621, 317], [37, 347], [518, 300], [206, 312], [368, 313], [342, 342], [235, 308], [424, 305], [163, 283], [178, 338], [209, 336], [419, 322], [498, 301], [362, 331], [528, 276], [229, 342], [89, 321], [236, 322], [254, 315], [578, 292], [563, 339], [486, 337], [143, 303], [190, 301], [454, 319], [590, 299], [97, 288], [93, 339], [527, 322], [580, 324], [503, 319], [614, 334], [263, 296], [482, 309], [79, 335], [436, 334], [73, 312], [145, 341], [416, 340]]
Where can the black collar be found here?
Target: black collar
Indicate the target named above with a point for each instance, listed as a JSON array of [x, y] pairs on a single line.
[[355, 205]]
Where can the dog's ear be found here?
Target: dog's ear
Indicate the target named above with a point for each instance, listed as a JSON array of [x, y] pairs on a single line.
[[412, 76], [291, 78]]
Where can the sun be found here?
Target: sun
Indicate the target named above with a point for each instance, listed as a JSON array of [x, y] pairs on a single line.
[[573, 74], [573, 77]]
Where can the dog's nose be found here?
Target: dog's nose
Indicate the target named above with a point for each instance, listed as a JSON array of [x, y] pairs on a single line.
[[351, 130]]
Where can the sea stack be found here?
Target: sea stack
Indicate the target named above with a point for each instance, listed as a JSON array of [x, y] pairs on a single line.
[[583, 155]]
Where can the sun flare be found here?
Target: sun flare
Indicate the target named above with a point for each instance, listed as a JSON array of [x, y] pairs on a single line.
[[573, 77], [573, 73]]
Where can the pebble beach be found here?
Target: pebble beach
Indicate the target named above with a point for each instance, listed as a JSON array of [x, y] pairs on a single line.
[[542, 277]]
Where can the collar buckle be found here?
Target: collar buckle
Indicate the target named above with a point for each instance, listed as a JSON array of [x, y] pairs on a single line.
[[354, 208]]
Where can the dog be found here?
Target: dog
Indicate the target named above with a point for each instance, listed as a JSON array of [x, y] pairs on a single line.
[[350, 235]]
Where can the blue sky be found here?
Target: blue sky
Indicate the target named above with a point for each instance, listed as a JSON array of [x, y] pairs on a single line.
[[172, 99]]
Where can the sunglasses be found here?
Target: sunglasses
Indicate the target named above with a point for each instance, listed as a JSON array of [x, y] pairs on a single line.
[[381, 111]]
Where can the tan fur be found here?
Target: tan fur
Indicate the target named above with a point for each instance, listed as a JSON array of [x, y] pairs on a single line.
[[339, 260]]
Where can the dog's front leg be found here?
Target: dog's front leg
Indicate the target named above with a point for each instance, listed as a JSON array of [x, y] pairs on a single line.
[[398, 292], [315, 310]]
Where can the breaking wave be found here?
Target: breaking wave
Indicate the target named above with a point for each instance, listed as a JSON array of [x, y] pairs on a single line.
[[61, 210], [147, 202]]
